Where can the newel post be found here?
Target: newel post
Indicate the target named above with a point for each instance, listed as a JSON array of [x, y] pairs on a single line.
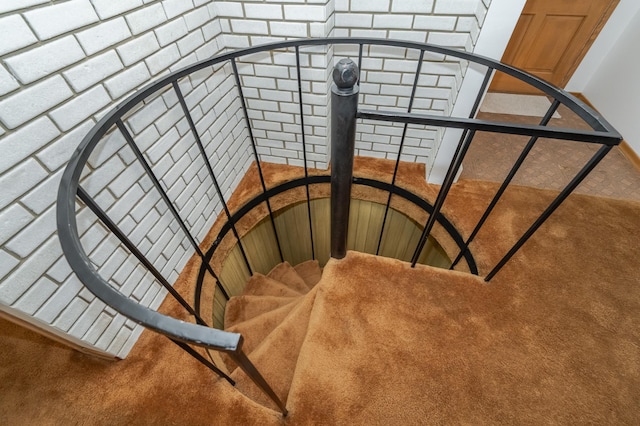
[[344, 105]]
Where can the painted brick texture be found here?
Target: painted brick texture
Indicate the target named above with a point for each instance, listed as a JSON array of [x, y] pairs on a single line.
[[63, 65]]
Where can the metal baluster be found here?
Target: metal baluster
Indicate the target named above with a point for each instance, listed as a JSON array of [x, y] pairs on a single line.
[[255, 153], [104, 218], [456, 162], [203, 360], [404, 133], [187, 114], [165, 197], [523, 155], [250, 370], [598, 156], [304, 152]]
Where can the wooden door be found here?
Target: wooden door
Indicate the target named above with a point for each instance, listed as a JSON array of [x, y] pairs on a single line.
[[550, 39]]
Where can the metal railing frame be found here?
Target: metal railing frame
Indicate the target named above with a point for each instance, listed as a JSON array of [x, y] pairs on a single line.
[[199, 334]]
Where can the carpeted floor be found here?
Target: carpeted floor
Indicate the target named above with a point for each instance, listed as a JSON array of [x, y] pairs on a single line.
[[554, 338]]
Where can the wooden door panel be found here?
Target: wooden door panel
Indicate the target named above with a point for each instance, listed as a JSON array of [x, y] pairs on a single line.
[[550, 39]]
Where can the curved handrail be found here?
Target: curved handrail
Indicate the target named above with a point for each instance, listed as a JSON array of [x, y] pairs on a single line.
[[204, 336]]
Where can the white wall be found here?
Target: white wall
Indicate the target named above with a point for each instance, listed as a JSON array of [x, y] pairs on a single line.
[[610, 74], [499, 23]]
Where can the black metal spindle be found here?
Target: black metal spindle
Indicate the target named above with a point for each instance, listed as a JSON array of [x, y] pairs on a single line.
[[240, 358], [304, 151], [442, 195], [456, 162], [165, 197], [514, 169], [104, 218], [404, 134], [255, 153], [192, 125], [360, 47], [593, 162], [203, 360]]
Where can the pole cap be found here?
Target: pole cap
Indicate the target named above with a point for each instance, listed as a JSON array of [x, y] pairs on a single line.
[[345, 74]]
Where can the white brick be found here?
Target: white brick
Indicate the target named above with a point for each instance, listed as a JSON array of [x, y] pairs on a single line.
[[248, 26], [224, 8], [7, 263], [263, 11], [87, 319], [392, 21], [144, 19], [36, 296], [173, 8], [19, 180], [109, 8], [196, 18], [127, 80], [98, 327], [31, 237], [305, 13], [104, 35], [289, 29], [7, 82], [70, 314], [442, 23], [18, 145], [449, 39], [14, 34], [33, 101], [171, 32], [12, 220], [30, 271], [40, 62], [54, 20], [349, 20], [457, 7], [138, 49], [60, 270], [59, 152], [80, 108], [110, 333], [418, 36], [9, 5], [191, 42], [370, 5], [162, 59], [211, 30], [413, 6], [93, 70], [60, 299]]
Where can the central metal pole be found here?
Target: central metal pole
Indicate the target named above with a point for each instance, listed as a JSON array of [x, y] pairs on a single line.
[[344, 106]]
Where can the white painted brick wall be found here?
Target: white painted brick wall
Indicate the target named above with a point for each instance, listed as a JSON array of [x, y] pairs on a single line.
[[63, 65]]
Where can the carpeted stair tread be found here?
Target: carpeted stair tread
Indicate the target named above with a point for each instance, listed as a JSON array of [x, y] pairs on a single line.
[[256, 329], [310, 272], [286, 274], [277, 355], [261, 285], [245, 307]]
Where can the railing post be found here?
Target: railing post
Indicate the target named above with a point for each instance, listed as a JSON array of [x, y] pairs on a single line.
[[344, 106]]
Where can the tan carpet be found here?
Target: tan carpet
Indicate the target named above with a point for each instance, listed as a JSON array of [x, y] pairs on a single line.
[[553, 339]]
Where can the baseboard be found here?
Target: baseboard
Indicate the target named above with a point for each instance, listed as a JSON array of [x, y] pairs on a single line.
[[16, 317], [625, 148], [631, 155]]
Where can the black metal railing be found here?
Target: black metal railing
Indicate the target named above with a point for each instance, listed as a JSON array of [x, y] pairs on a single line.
[[199, 334]]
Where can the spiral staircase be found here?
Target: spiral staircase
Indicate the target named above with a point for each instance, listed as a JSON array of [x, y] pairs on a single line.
[[265, 305]]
